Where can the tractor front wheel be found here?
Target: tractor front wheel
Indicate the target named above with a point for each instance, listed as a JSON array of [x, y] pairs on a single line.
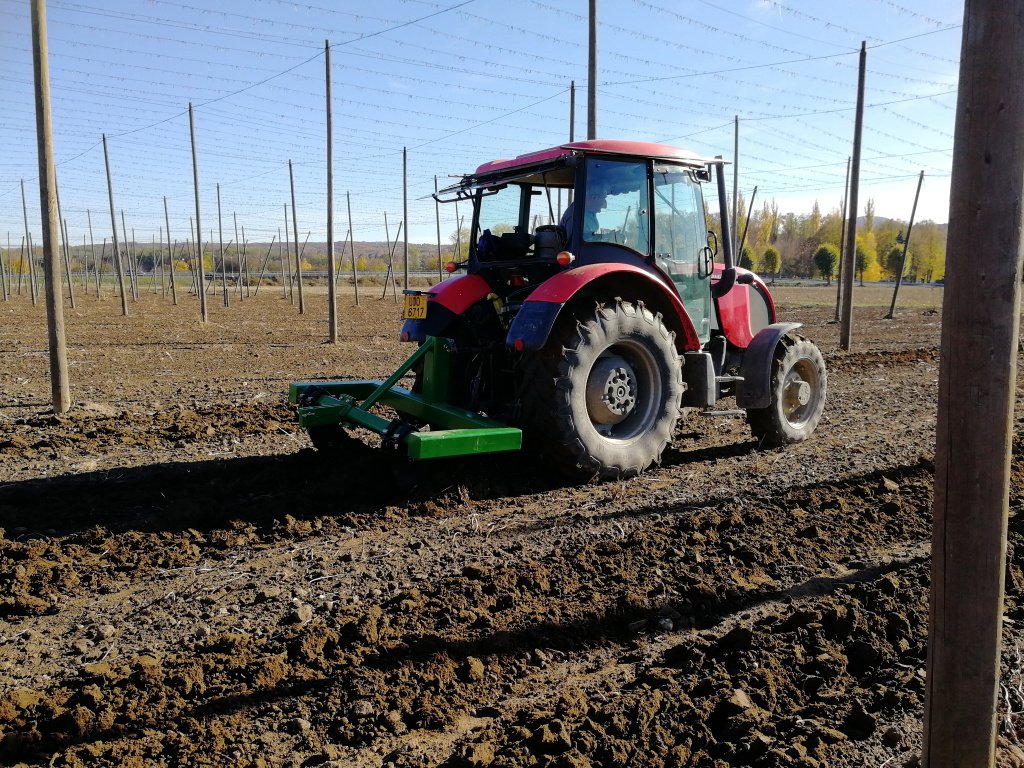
[[798, 385], [603, 396]]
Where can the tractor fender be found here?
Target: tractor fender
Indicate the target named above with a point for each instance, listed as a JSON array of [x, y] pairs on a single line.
[[540, 311], [756, 369], [447, 301]]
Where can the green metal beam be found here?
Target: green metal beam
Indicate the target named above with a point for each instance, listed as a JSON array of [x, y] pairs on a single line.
[[462, 442]]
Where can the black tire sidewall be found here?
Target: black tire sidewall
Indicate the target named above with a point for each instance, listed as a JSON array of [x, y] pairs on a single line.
[[607, 326]]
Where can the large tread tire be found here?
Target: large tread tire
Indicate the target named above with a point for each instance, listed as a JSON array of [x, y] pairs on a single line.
[[566, 429], [799, 384]]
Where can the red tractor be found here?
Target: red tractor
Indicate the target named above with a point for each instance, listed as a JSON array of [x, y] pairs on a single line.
[[586, 330]]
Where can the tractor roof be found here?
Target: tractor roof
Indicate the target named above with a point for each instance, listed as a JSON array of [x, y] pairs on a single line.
[[595, 147]]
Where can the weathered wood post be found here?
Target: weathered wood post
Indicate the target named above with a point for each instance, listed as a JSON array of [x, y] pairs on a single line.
[[906, 244], [332, 289], [352, 246], [295, 228], [28, 243], [59, 384], [113, 228], [200, 268], [170, 256], [850, 266], [977, 388]]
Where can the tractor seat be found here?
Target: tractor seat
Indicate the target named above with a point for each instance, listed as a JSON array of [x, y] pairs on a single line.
[[549, 240]]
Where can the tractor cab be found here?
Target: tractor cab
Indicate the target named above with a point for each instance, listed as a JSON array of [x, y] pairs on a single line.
[[596, 202]]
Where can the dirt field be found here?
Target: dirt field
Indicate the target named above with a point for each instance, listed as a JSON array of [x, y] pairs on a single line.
[[186, 582]]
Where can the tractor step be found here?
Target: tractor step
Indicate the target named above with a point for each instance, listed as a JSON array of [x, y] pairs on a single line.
[[712, 412], [728, 379]]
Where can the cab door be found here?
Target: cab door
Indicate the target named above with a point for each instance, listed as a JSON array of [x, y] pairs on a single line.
[[680, 237]]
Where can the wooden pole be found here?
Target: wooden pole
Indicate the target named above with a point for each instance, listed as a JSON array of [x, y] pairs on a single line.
[[842, 239], [850, 265], [28, 242], [405, 218], [243, 267], [170, 256], [735, 186], [238, 258], [85, 264], [592, 73], [99, 268], [572, 125], [281, 256], [128, 255], [352, 246], [288, 251], [64, 242], [977, 388], [437, 218], [906, 244], [116, 257], [92, 250], [223, 261], [3, 270], [332, 289], [21, 264], [295, 230], [200, 268], [60, 387]]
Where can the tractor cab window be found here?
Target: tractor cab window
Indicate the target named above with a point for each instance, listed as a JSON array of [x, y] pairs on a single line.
[[680, 235], [616, 204], [498, 234]]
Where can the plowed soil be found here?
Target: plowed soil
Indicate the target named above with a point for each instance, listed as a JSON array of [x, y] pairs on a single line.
[[185, 581]]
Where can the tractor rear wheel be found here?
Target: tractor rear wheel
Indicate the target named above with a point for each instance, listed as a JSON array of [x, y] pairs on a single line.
[[602, 398], [798, 386]]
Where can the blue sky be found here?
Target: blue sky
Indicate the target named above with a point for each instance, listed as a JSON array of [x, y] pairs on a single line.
[[460, 83]]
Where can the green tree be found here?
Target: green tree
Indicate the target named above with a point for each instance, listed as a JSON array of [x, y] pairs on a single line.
[[771, 261], [894, 260], [826, 258], [747, 258], [869, 215]]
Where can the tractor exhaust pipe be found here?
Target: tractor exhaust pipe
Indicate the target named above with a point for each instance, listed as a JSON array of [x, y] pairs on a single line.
[[728, 278]]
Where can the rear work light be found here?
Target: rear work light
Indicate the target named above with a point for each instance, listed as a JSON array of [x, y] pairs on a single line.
[[564, 258]]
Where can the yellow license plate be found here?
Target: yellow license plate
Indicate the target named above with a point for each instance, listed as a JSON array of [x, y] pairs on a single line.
[[415, 307]]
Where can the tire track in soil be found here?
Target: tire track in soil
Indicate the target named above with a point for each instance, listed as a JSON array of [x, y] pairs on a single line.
[[686, 565]]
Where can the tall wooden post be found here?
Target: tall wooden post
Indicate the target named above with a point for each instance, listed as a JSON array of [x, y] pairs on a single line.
[[116, 257], [295, 229], [352, 245], [281, 255], [842, 239], [572, 125], [3, 270], [170, 256], [200, 268], [60, 387], [238, 258], [592, 73], [61, 224], [906, 244], [332, 289], [850, 265], [220, 246], [92, 250], [977, 387], [128, 256], [437, 218], [28, 243], [735, 187], [405, 219]]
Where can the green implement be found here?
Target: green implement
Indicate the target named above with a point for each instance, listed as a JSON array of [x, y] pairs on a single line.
[[453, 431]]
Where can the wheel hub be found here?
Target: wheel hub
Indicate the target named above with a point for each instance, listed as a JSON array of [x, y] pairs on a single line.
[[799, 392], [611, 390]]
